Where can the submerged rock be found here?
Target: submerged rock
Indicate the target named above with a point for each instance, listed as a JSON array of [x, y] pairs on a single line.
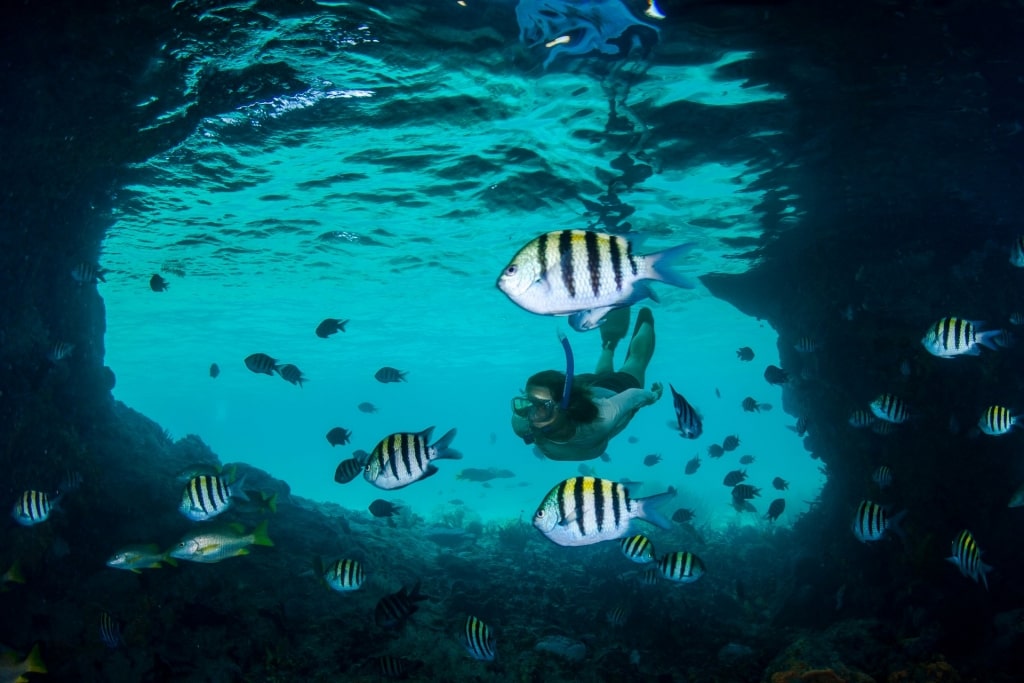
[[563, 647]]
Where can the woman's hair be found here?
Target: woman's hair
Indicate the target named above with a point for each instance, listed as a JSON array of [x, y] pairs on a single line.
[[582, 409]]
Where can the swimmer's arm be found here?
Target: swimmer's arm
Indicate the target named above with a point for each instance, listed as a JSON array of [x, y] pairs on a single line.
[[631, 400]]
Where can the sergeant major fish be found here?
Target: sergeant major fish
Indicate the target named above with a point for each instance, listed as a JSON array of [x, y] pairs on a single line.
[[585, 510], [338, 436], [637, 548], [261, 364], [330, 326], [997, 420], [967, 557], [872, 522], [777, 507], [890, 408], [394, 609], [570, 271], [688, 420], [681, 567], [342, 576], [59, 351], [347, 470], [951, 337], [157, 283], [88, 273], [291, 373], [110, 631], [33, 507], [403, 458], [882, 476], [207, 496], [478, 640], [389, 375], [734, 477]]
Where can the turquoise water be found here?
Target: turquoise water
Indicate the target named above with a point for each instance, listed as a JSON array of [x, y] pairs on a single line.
[[438, 150]]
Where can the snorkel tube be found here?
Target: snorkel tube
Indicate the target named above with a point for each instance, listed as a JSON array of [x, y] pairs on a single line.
[[569, 367]]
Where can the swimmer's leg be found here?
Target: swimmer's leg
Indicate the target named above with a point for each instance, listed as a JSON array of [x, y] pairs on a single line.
[[641, 346]]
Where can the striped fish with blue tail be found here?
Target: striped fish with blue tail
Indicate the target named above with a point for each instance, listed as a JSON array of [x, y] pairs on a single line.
[[967, 557], [585, 510], [688, 420], [681, 567], [951, 337], [33, 507], [576, 271], [343, 575], [637, 549], [405, 457], [206, 496], [997, 420], [872, 522], [478, 640]]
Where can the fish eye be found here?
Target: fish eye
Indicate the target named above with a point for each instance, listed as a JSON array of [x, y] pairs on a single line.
[[540, 514], [511, 269]]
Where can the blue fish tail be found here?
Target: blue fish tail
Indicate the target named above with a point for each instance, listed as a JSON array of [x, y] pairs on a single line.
[[987, 339], [894, 525], [443, 449], [662, 262], [649, 513], [237, 491], [983, 570]]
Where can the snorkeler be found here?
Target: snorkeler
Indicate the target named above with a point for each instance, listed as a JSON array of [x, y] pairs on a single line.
[[573, 417]]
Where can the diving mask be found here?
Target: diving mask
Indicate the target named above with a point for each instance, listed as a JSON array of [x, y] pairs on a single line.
[[533, 409]]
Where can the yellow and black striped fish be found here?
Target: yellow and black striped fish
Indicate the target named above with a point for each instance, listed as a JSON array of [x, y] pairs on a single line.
[[585, 510], [571, 271], [950, 337], [478, 640], [997, 420], [341, 575], [638, 548], [207, 495], [967, 557], [872, 522], [32, 507], [681, 567], [890, 408], [404, 457]]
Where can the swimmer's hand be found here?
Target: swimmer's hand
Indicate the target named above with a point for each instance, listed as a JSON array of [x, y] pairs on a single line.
[[657, 390]]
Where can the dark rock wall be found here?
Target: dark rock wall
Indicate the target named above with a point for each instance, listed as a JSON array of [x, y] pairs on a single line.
[[907, 160]]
